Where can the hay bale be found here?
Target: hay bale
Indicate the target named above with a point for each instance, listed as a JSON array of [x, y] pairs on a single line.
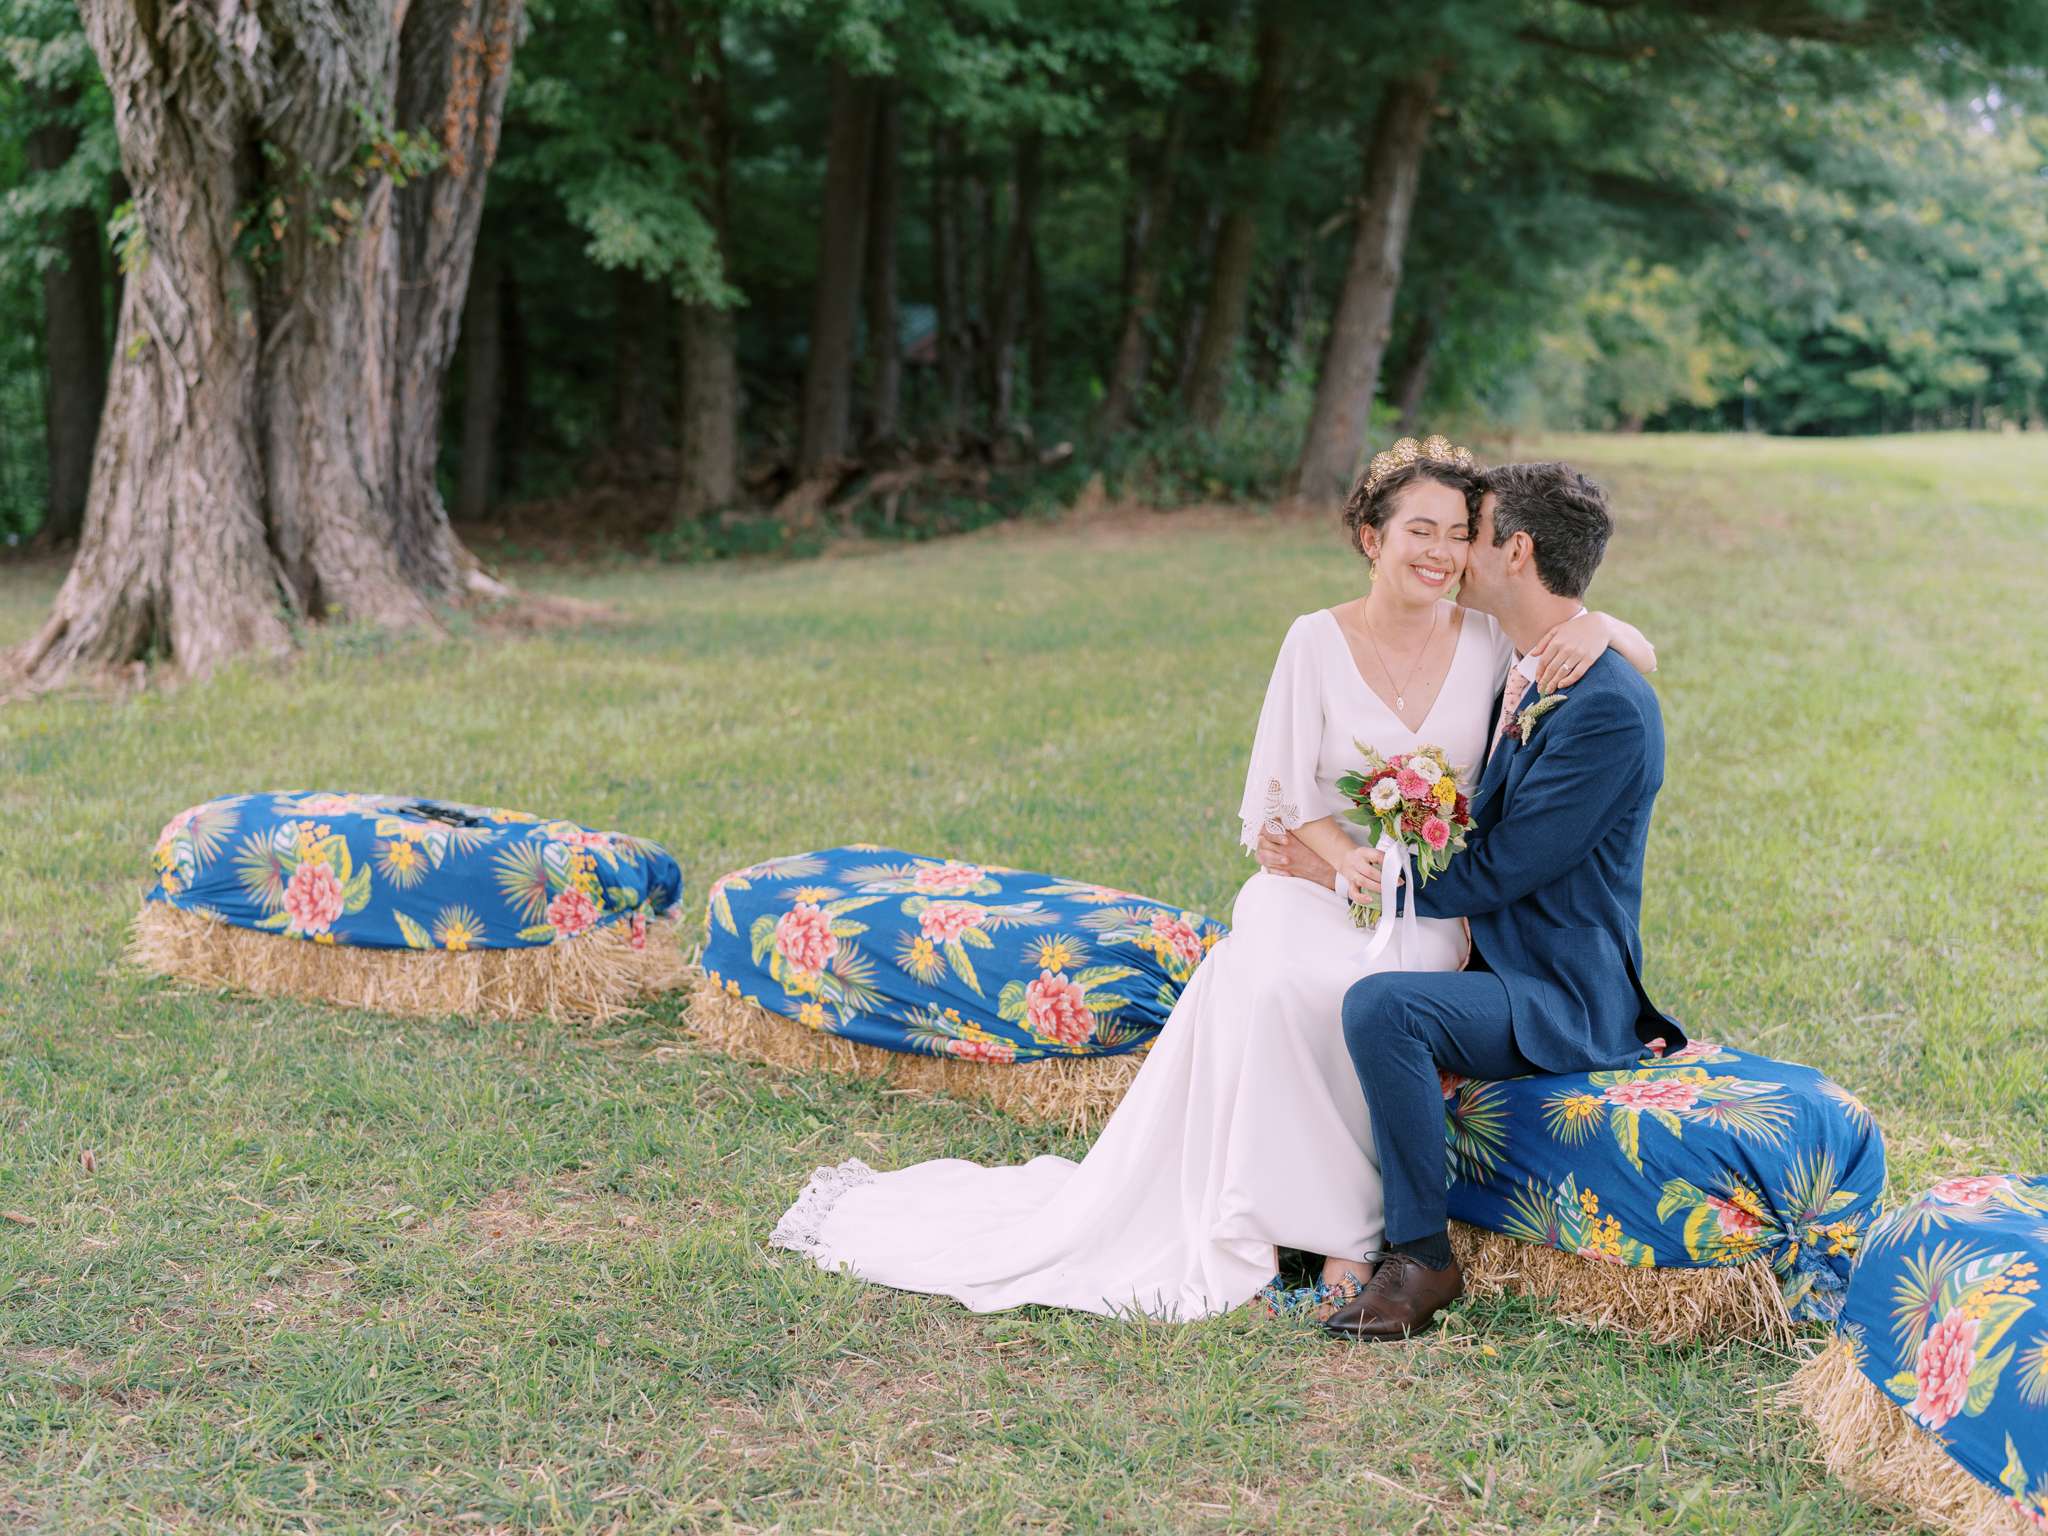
[[1869, 1443], [591, 978], [1076, 1094], [1658, 1305]]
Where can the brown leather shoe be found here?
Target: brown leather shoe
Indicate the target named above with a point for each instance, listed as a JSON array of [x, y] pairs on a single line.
[[1402, 1298]]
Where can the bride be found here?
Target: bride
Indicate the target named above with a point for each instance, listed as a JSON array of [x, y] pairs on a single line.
[[1246, 1130]]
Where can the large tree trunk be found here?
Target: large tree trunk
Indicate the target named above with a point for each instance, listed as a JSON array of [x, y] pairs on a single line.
[[827, 421], [455, 64], [1358, 331], [173, 556], [955, 347], [1012, 293], [1151, 201], [482, 387], [885, 349], [1237, 241], [515, 414], [260, 427], [74, 334], [710, 418]]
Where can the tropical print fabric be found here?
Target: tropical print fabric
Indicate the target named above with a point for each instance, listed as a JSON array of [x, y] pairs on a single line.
[[1945, 1316], [1706, 1156], [398, 872], [938, 956]]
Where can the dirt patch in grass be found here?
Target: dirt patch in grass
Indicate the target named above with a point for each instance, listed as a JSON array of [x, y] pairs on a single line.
[[562, 1210]]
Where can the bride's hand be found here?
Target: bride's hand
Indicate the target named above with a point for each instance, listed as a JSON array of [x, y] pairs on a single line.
[[1361, 871], [1286, 854], [1569, 649]]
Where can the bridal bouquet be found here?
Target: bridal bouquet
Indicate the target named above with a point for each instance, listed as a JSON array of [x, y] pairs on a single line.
[[1413, 802]]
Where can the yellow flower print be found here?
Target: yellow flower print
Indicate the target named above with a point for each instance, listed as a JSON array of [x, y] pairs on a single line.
[[1058, 953], [811, 1016], [815, 893], [457, 928], [1589, 1202]]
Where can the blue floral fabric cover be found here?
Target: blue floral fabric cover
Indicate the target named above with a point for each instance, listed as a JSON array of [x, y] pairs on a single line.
[[941, 957], [1944, 1317], [399, 872], [1706, 1156]]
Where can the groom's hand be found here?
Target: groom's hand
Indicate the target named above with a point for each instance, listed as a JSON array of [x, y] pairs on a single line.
[[1287, 854]]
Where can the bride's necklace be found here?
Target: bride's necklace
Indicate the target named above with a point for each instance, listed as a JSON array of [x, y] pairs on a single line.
[[1400, 688]]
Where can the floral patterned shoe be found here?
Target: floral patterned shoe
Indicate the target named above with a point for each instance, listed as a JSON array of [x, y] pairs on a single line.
[[1305, 1303]]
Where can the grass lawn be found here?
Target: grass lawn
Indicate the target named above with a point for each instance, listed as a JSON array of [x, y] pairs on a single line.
[[338, 1272]]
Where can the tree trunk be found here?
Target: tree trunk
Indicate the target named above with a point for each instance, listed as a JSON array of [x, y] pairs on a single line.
[[173, 556], [955, 348], [827, 420], [455, 64], [260, 426], [1358, 331], [1237, 241], [483, 386], [74, 334], [709, 423], [515, 415], [981, 219], [1152, 199], [1012, 295], [885, 347], [641, 368], [1411, 374]]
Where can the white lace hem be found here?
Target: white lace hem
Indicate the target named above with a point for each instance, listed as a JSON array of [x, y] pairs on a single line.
[[800, 1225], [1278, 815]]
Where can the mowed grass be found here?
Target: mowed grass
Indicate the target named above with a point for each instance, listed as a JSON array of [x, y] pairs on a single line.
[[340, 1272]]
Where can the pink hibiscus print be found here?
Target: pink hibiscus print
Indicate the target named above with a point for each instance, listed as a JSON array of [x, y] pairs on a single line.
[[944, 921], [950, 876], [1656, 1094], [1734, 1221], [1943, 1364], [1973, 1190], [999, 1051], [636, 930], [1693, 1050], [313, 897], [1057, 1009], [572, 912], [1178, 936], [804, 938]]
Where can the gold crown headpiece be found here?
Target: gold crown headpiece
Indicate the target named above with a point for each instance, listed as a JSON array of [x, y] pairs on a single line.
[[1434, 449]]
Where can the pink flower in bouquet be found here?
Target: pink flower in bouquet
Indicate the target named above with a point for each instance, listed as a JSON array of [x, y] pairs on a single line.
[[313, 898], [944, 921], [1057, 1009], [1413, 786], [950, 876], [1943, 1366], [572, 912], [804, 938], [1001, 1052], [1655, 1094], [1177, 936], [1436, 832], [1734, 1221], [1974, 1190]]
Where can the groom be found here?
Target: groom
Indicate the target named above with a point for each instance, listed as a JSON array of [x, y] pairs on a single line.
[[1551, 880]]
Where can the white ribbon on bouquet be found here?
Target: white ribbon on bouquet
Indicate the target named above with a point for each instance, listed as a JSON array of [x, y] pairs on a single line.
[[1399, 930]]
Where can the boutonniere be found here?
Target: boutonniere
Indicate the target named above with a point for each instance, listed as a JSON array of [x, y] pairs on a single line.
[[1525, 723]]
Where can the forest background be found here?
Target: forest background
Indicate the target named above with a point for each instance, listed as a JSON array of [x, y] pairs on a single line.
[[717, 278]]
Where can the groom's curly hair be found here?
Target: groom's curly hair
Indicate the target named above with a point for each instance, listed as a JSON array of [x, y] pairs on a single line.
[[1564, 513], [1370, 505]]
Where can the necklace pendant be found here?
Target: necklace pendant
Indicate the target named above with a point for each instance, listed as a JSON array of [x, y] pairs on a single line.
[[1399, 702]]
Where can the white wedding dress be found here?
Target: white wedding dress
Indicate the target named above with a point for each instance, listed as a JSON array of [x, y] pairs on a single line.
[[1245, 1131]]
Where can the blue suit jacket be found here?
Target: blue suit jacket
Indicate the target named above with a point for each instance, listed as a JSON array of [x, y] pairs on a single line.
[[1552, 874]]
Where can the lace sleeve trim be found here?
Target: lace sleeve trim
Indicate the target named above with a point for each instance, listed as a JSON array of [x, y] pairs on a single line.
[[798, 1230], [1280, 815]]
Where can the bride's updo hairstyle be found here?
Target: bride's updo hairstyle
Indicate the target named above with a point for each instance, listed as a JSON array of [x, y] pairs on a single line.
[[1436, 458]]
